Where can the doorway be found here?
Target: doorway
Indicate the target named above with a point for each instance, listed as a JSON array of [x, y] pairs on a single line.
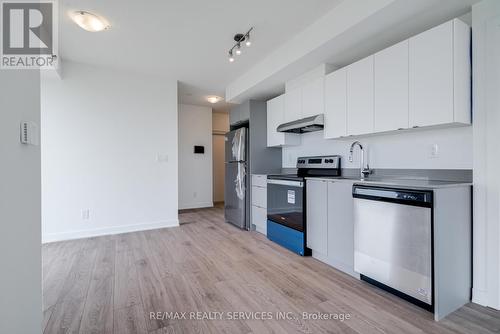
[[220, 125]]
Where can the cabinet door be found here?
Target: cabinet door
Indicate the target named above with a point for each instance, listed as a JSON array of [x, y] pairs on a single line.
[[341, 225], [431, 76], [259, 219], [259, 196], [275, 109], [293, 105], [360, 97], [313, 102], [391, 88], [316, 208], [336, 104]]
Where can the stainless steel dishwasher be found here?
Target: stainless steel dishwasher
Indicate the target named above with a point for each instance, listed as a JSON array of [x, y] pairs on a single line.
[[393, 244]]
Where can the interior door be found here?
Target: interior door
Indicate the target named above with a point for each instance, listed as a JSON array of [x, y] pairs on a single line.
[[218, 167]]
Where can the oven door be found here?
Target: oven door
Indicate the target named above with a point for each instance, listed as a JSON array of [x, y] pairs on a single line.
[[285, 203]]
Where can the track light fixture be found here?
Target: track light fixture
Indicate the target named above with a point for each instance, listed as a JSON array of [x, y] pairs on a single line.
[[239, 38], [231, 57]]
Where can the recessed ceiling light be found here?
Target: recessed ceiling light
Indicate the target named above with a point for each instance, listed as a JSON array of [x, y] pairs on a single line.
[[89, 21], [213, 99]]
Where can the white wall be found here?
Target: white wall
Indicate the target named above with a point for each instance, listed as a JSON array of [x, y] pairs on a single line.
[[20, 242], [411, 150], [220, 125], [486, 69], [195, 170], [105, 138]]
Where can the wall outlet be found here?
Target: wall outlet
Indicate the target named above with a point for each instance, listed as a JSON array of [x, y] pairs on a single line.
[[195, 194], [86, 214], [161, 157], [434, 151]]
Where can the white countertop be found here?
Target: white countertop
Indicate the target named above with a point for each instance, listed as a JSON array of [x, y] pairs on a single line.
[[404, 183]]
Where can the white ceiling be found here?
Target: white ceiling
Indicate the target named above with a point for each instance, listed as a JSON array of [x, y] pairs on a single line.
[[187, 40], [351, 31]]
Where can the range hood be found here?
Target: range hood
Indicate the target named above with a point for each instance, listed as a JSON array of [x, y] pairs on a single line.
[[308, 124]]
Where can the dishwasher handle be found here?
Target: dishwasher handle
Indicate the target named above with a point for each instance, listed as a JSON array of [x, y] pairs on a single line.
[[421, 198]]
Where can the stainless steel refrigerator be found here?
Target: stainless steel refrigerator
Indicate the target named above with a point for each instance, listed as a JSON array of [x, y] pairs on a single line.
[[236, 210]]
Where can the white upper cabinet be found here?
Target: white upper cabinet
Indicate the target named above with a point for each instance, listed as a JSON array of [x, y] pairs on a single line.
[[439, 75], [391, 88], [423, 81], [293, 105], [275, 109], [313, 97], [336, 104], [360, 97], [275, 117]]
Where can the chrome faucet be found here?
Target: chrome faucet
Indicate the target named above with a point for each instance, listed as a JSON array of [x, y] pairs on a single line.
[[365, 171]]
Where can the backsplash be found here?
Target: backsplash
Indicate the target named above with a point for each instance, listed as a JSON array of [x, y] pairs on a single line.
[[400, 150]]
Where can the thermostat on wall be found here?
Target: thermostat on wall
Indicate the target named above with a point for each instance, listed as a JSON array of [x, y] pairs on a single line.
[[199, 149], [29, 133]]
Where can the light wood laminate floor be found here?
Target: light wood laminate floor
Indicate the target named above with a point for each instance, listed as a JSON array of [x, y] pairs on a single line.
[[111, 284]]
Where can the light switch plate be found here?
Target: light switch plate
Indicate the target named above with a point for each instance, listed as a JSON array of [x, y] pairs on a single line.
[[434, 151]]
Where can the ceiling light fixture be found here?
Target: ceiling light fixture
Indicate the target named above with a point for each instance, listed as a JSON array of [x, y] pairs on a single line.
[[89, 21], [239, 38], [213, 99]]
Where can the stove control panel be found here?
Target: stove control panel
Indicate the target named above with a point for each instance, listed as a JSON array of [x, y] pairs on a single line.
[[328, 161]]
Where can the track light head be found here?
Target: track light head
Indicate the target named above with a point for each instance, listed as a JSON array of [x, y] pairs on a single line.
[[248, 42]]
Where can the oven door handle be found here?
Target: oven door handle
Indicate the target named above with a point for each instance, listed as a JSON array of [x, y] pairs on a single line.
[[286, 182]]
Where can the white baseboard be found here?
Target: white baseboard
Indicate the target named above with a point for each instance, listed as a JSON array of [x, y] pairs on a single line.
[[480, 297], [196, 205], [53, 237]]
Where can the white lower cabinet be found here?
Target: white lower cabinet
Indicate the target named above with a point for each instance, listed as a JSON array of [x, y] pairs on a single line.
[[259, 219], [341, 226], [330, 225], [316, 215], [258, 212]]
